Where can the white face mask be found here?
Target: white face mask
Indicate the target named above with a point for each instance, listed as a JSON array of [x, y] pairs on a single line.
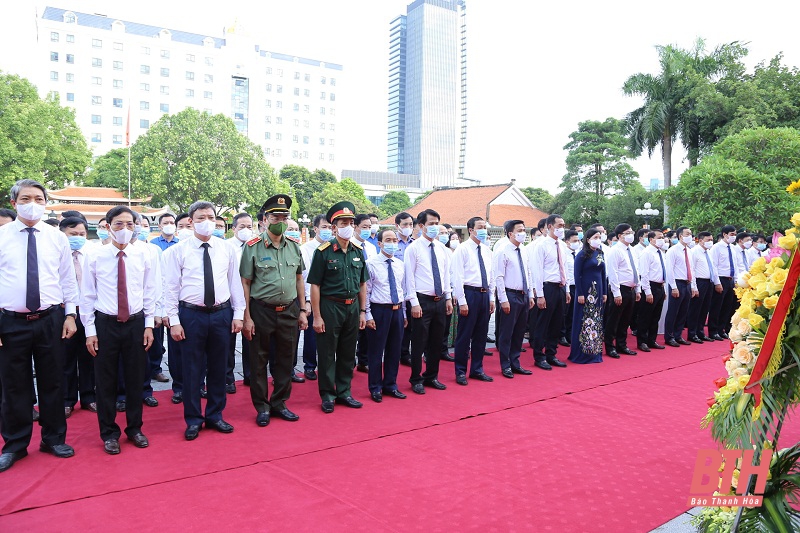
[[559, 233], [406, 232], [31, 210], [373, 229], [660, 243], [596, 243], [665, 246], [168, 229], [122, 236], [520, 237], [687, 239], [244, 234], [345, 232], [205, 228], [603, 237], [708, 244], [185, 233], [575, 245], [730, 239], [748, 244], [628, 238]]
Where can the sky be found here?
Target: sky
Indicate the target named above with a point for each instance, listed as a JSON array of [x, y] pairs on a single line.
[[535, 69]]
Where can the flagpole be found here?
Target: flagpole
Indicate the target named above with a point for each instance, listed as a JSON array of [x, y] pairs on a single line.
[[128, 142], [129, 175]]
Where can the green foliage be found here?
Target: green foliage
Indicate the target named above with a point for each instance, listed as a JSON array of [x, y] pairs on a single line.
[[393, 203], [622, 208], [109, 170], [540, 198], [305, 184], [773, 152], [194, 156], [347, 189], [39, 139]]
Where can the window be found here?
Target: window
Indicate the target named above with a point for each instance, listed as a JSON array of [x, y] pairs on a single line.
[[280, 72], [277, 152], [70, 38], [70, 97], [307, 92], [330, 157], [144, 87], [238, 116], [117, 65], [190, 58], [96, 138], [209, 62], [306, 108], [322, 80], [322, 141], [117, 121], [297, 75], [267, 120], [116, 139], [321, 156], [330, 142], [97, 62], [279, 88], [54, 36], [305, 155], [165, 89], [296, 123], [145, 50], [69, 17], [332, 112], [144, 123], [190, 75], [70, 77], [96, 119], [294, 154], [333, 81], [189, 93], [332, 127], [268, 103], [295, 138], [53, 75], [305, 140], [144, 106], [269, 87], [144, 69], [208, 95], [306, 124], [53, 56], [307, 77], [278, 120], [269, 71], [333, 97], [165, 73], [117, 102], [164, 108], [165, 54], [118, 84], [118, 46], [322, 95], [321, 110], [97, 43], [208, 78], [97, 81], [97, 100], [278, 136], [322, 125], [279, 104], [296, 107], [267, 136], [297, 91]]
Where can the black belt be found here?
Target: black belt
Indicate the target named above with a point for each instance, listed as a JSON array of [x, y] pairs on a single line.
[[682, 281], [30, 316], [393, 307], [516, 291], [627, 287], [114, 317], [725, 277], [476, 289], [656, 283], [204, 309], [556, 283], [429, 297], [346, 301], [277, 308]]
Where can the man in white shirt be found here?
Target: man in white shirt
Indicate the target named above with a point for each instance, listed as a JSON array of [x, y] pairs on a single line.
[[242, 232], [574, 244], [744, 242], [323, 232], [705, 282], [723, 303], [361, 236], [38, 276], [680, 280], [119, 296], [427, 266], [405, 227], [623, 281], [473, 286], [652, 272], [205, 304]]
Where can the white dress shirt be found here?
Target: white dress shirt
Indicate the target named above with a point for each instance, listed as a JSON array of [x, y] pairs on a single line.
[[742, 260], [419, 273], [507, 272], [698, 256], [155, 256], [544, 265], [99, 284], [307, 251], [753, 254], [57, 282], [236, 244], [465, 269], [569, 264], [650, 268], [372, 251], [185, 281], [378, 288], [501, 244], [720, 259], [619, 269], [675, 263]]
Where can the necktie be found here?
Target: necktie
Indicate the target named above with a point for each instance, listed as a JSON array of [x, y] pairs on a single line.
[[208, 278], [437, 279], [392, 282], [522, 271], [688, 268], [32, 296], [77, 262], [123, 312], [663, 270], [744, 261], [484, 283], [710, 268], [364, 250], [633, 267], [730, 258], [561, 272]]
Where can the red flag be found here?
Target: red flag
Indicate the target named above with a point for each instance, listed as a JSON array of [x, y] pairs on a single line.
[[128, 128]]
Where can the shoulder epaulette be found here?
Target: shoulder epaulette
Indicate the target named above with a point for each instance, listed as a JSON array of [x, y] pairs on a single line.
[[254, 240], [357, 245], [297, 241], [323, 245]]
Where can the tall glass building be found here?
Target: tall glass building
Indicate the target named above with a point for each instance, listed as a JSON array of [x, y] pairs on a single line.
[[427, 92]]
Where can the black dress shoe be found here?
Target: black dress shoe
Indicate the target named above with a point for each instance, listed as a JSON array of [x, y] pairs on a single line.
[[418, 388], [377, 397], [488, 352], [230, 388], [724, 335], [327, 407], [461, 379], [220, 425], [349, 402], [405, 361], [554, 361], [150, 401], [139, 440], [111, 447], [394, 394], [297, 379], [696, 340], [643, 347], [262, 419], [508, 373], [481, 377], [612, 353], [448, 357], [717, 337], [627, 351], [246, 382], [490, 339], [285, 414], [67, 412], [362, 368], [634, 332], [161, 378], [35, 415], [8, 459], [203, 393], [311, 374], [564, 342], [656, 346], [435, 383], [59, 450], [544, 365], [91, 406], [681, 340], [121, 406], [192, 431], [520, 370], [672, 343], [706, 338], [177, 397]]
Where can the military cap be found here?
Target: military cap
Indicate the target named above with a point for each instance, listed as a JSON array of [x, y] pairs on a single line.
[[278, 204], [341, 210]]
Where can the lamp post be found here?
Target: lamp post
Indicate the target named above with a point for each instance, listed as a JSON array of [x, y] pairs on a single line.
[[304, 220], [52, 215], [647, 213]]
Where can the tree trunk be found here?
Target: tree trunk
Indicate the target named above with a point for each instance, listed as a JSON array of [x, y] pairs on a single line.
[[666, 162]]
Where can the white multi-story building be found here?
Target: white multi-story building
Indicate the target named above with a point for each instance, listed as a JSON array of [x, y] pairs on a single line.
[[109, 70]]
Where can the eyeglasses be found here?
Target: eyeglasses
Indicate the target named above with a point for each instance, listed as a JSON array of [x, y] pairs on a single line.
[[120, 225]]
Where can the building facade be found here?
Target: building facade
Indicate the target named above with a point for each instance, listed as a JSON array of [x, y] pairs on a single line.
[[122, 76]]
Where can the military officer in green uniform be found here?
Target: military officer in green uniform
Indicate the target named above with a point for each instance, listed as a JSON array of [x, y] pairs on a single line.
[[272, 276], [338, 277]]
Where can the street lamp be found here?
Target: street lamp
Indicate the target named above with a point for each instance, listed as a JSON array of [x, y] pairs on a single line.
[[52, 215], [304, 219], [647, 212]]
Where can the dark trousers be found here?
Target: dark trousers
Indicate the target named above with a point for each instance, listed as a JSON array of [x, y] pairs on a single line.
[[336, 348], [619, 318], [362, 347], [384, 342], [405, 345], [204, 351], [146, 385], [426, 337], [119, 342], [20, 339], [175, 363], [677, 310], [698, 308], [649, 314], [533, 316], [229, 377], [566, 330], [471, 333], [310, 345], [549, 322], [448, 320], [78, 369], [155, 353], [273, 353], [512, 329], [280, 328], [721, 308]]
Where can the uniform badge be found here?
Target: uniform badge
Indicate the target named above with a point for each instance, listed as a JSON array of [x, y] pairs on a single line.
[[346, 210], [282, 200], [356, 259], [335, 247], [254, 240]]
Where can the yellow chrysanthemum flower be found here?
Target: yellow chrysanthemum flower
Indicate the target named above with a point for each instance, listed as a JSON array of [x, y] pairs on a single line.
[[758, 266], [793, 187]]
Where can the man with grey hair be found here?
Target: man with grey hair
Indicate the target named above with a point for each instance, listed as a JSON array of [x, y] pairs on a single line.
[[38, 298]]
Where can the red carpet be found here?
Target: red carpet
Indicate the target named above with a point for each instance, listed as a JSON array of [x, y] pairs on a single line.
[[608, 446]]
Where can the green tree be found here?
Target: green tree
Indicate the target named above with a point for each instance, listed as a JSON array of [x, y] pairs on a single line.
[[109, 170], [194, 156], [305, 184], [39, 139], [622, 208], [771, 151], [540, 198], [393, 203], [347, 189]]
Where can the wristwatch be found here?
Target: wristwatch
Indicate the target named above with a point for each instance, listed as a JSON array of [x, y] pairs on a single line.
[[73, 315], [362, 310]]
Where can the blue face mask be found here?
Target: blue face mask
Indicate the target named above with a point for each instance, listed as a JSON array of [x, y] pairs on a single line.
[[76, 243], [481, 234], [432, 231], [364, 234], [390, 248], [325, 234], [102, 234], [143, 234], [674, 242], [444, 239], [646, 242], [218, 233], [580, 235], [761, 247], [294, 234]]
